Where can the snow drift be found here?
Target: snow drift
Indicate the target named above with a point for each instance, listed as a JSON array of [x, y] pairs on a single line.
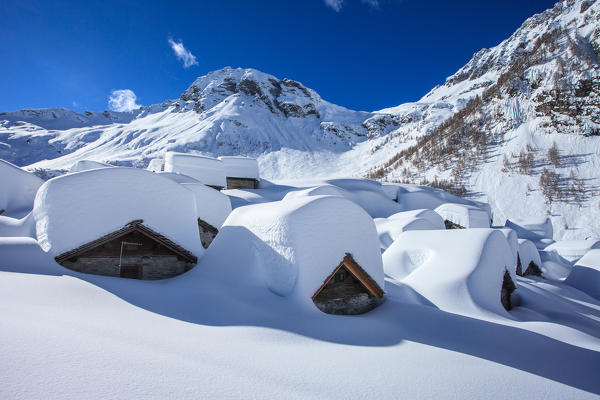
[[388, 229], [17, 189], [585, 275], [458, 271]]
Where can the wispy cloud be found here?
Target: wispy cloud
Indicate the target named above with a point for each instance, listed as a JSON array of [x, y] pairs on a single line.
[[335, 4], [183, 54], [372, 3], [122, 100]]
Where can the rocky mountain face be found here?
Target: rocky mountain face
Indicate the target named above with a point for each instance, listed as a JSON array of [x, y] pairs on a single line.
[[547, 74], [519, 123]]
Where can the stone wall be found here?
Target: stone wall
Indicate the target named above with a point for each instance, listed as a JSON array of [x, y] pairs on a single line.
[[241, 183], [349, 305], [158, 267]]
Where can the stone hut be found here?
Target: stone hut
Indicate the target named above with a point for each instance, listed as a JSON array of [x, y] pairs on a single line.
[[461, 216], [119, 222], [348, 290], [241, 172], [321, 252], [134, 251]]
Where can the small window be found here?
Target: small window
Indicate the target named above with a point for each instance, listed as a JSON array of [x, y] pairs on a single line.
[[340, 276]]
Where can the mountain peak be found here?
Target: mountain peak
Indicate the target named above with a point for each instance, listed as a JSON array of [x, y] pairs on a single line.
[[284, 96]]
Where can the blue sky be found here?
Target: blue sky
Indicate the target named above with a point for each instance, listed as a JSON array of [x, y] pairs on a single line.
[[362, 54]]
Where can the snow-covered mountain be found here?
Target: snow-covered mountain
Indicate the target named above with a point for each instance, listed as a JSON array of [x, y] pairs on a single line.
[[226, 112], [489, 128], [485, 132]]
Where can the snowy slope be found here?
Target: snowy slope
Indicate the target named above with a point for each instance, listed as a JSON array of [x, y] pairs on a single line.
[[538, 88]]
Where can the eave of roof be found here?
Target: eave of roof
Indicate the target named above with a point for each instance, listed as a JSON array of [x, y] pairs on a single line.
[[136, 225], [358, 272]]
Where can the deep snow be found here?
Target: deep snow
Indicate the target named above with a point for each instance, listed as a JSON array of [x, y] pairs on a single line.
[[218, 331]]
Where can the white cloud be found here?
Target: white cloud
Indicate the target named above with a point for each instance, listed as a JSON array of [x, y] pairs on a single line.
[[335, 4], [183, 54], [122, 100]]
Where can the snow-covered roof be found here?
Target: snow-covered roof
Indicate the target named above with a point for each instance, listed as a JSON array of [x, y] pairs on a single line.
[[585, 275], [75, 209], [390, 190], [179, 178], [367, 195], [413, 197], [390, 228], [84, 165], [156, 165], [467, 216], [208, 170], [211, 206], [531, 228], [513, 242], [573, 249], [458, 270], [240, 167], [528, 253], [296, 243], [17, 189]]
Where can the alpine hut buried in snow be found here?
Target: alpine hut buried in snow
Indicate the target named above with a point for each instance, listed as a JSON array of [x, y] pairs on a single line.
[[208, 170], [134, 251], [241, 172], [348, 290], [119, 222], [321, 251]]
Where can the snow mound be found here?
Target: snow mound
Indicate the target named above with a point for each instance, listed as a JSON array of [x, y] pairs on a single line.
[[585, 275], [413, 197], [294, 244], [554, 267], [533, 229], [212, 206], [322, 190], [156, 165], [456, 270], [208, 170], [467, 216], [390, 190], [179, 178], [513, 242], [240, 167], [390, 228], [528, 253], [13, 227], [572, 250], [74, 209], [17, 189], [364, 193], [84, 165]]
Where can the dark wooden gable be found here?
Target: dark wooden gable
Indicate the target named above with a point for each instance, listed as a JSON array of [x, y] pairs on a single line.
[[147, 243], [358, 277]]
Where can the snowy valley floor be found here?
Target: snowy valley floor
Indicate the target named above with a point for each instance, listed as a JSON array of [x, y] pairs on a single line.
[[205, 335]]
